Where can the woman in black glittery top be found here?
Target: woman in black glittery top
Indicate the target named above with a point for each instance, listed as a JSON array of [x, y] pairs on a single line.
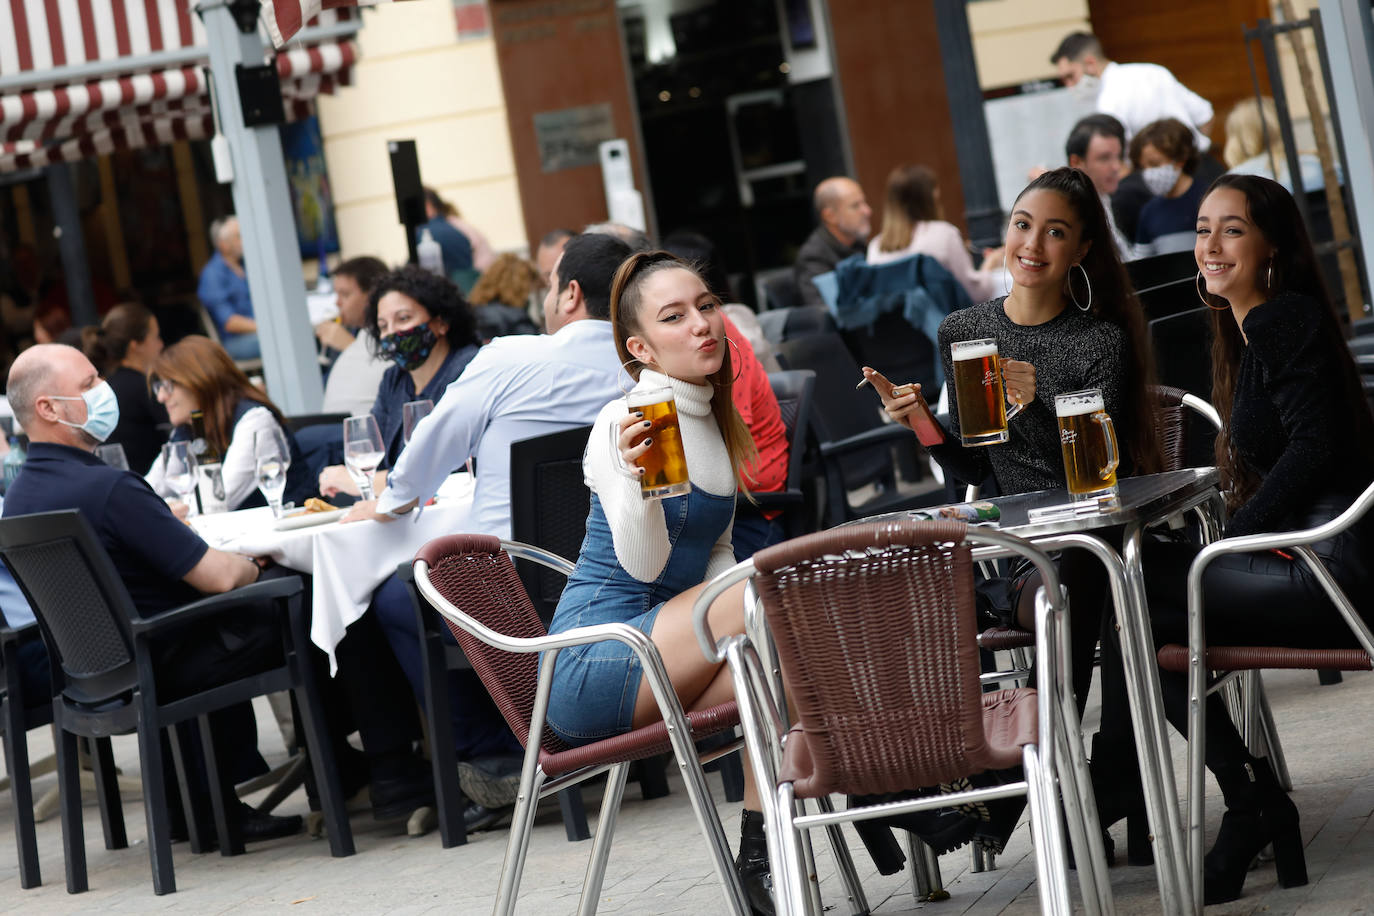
[[1296, 449], [1070, 322]]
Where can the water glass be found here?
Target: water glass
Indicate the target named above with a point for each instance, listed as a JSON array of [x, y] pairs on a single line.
[[363, 451], [179, 472], [113, 455], [271, 459], [412, 412]]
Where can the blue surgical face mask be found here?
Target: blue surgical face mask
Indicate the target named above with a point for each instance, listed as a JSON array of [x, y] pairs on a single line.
[[102, 411]]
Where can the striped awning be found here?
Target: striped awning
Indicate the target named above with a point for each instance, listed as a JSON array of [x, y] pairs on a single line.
[[284, 18], [107, 75]]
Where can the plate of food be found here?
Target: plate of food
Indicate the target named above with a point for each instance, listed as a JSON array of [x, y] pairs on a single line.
[[315, 512]]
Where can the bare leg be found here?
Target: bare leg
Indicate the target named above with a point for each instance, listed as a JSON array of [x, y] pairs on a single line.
[[699, 684]]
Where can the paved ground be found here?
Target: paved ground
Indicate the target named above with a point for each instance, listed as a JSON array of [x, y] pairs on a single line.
[[658, 864]]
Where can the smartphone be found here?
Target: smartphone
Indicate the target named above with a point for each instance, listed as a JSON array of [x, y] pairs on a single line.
[[928, 431]]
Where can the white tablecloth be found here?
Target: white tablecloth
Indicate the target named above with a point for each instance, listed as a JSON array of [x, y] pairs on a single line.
[[347, 562]]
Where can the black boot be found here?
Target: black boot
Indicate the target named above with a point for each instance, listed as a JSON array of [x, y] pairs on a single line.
[[1258, 813], [1118, 791], [752, 863]]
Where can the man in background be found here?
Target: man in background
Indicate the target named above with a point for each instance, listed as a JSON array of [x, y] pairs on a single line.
[[845, 223], [223, 290]]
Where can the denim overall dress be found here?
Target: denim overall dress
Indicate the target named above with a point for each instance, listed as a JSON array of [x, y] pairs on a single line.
[[595, 686]]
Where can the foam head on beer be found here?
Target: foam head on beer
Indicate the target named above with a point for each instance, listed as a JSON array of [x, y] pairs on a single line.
[[1073, 405], [973, 349]]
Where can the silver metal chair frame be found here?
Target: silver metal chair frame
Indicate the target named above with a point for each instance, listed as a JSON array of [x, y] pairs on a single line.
[[1057, 758], [534, 785], [1298, 542]]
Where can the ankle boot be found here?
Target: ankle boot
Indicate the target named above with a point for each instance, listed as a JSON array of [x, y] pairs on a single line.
[[752, 863], [1118, 792], [1258, 813]]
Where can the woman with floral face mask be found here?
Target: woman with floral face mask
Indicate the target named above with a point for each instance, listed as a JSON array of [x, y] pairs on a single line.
[[1166, 156], [425, 328]]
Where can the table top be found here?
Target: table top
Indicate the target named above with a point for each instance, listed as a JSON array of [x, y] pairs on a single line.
[[1144, 498]]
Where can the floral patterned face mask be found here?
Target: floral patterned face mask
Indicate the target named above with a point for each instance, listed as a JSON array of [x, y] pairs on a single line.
[[408, 348]]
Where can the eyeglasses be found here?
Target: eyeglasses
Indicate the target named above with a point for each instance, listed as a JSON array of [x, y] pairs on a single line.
[[162, 387]]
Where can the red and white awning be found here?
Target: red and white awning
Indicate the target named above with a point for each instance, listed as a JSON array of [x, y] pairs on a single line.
[[144, 81], [284, 18]]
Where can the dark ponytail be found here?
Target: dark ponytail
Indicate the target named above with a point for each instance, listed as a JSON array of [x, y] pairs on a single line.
[[107, 345]]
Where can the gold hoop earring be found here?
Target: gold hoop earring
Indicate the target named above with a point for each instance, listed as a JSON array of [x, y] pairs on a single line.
[[1200, 285]]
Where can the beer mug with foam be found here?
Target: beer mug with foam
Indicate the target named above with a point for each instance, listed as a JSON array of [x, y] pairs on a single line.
[[983, 412], [665, 463], [1088, 439]]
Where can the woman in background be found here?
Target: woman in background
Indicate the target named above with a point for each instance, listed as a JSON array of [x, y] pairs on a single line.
[[125, 348], [1254, 146], [913, 224], [501, 298], [1166, 155]]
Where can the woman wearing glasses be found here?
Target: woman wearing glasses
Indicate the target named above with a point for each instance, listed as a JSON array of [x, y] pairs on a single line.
[[197, 374]]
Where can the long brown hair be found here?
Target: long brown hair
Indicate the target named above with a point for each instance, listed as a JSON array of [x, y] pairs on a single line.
[[1113, 300], [626, 300], [508, 280], [1294, 270], [201, 366], [910, 200]]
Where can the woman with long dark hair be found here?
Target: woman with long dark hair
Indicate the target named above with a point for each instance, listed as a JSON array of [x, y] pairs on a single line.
[[124, 349], [1295, 450], [1071, 322], [195, 373], [644, 562]]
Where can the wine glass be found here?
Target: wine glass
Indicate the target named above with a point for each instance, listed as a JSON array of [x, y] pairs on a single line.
[[113, 455], [412, 412], [362, 450], [179, 471], [271, 458]]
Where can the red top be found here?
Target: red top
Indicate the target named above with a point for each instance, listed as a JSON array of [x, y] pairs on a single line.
[[755, 402]]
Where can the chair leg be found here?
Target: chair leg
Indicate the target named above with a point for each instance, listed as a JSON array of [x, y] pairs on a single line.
[[844, 862], [1051, 866], [574, 814], [107, 793], [155, 813], [198, 819], [448, 797], [223, 800], [16, 743], [73, 834], [310, 720], [652, 773], [731, 777], [518, 843], [1272, 745], [601, 846], [792, 896], [1328, 677], [925, 870]]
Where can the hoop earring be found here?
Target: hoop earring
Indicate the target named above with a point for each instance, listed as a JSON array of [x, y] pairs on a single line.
[[738, 362], [1269, 278], [1200, 286], [1086, 282]]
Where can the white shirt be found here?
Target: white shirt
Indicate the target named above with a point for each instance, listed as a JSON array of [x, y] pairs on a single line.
[[515, 388], [1137, 94], [943, 242], [239, 464], [354, 378], [638, 528]]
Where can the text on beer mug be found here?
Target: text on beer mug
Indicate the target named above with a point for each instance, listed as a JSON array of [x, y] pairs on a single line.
[[665, 462], [983, 412], [1088, 440]]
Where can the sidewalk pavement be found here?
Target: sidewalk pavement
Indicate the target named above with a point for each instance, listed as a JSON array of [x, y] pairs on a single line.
[[659, 864]]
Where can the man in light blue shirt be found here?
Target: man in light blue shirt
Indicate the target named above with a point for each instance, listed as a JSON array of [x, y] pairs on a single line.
[[514, 388]]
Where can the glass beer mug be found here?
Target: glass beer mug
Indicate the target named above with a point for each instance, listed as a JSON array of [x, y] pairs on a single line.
[[983, 412], [1088, 439], [665, 463]]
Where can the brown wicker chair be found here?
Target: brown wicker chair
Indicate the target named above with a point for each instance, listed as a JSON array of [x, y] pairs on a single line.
[[471, 581], [1248, 659], [874, 627]]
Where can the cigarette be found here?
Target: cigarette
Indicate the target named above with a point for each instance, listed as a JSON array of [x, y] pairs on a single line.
[[862, 382]]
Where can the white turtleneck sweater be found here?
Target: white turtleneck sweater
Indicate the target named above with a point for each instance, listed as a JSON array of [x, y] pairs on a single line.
[[637, 525]]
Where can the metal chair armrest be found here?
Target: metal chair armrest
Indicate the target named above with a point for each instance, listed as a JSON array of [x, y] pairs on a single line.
[[713, 650], [215, 604], [539, 555]]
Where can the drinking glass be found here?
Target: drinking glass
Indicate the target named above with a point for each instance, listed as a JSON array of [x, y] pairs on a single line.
[[363, 450], [983, 412], [179, 471], [665, 463], [113, 455], [412, 413], [272, 458]]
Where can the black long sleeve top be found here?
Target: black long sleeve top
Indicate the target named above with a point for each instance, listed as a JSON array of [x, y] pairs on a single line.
[[1291, 416], [1072, 351]]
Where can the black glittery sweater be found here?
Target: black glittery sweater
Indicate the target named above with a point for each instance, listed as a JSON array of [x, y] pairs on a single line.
[[1291, 417], [1070, 352]]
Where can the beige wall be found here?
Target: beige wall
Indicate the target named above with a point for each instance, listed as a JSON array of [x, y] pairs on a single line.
[[416, 80], [1013, 39]]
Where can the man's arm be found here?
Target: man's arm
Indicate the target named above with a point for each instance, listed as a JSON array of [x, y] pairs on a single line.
[[240, 324], [219, 572]]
